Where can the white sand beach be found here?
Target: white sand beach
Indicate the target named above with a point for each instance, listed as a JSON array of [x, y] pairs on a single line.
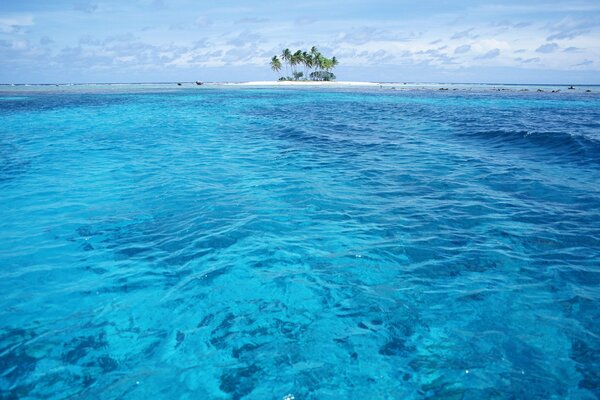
[[304, 83]]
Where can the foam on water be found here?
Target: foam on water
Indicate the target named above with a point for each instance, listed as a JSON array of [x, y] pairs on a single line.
[[299, 243]]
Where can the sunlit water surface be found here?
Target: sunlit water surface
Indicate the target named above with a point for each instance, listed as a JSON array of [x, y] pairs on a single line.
[[228, 243]]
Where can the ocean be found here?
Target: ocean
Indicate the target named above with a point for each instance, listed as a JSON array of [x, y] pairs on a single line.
[[214, 242]]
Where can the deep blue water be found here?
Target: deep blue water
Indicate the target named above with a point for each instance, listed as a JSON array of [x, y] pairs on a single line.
[[227, 243]]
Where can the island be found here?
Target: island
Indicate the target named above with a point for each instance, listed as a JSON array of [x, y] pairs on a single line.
[[316, 67]]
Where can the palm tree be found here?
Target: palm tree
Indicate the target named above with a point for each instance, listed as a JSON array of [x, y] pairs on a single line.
[[327, 64], [275, 64], [334, 62], [315, 54], [320, 61], [297, 58], [286, 56], [307, 60]]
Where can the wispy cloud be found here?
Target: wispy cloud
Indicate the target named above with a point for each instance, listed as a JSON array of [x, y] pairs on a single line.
[[489, 55], [572, 49], [13, 24], [547, 48], [462, 49], [570, 28], [85, 7], [203, 21], [527, 60], [464, 34], [166, 36]]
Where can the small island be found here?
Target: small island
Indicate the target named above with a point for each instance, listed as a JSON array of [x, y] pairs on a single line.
[[316, 66]]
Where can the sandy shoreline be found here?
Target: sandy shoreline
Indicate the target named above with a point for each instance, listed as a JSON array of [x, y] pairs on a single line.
[[303, 83]]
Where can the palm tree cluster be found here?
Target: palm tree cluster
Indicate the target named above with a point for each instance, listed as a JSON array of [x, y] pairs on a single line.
[[307, 60]]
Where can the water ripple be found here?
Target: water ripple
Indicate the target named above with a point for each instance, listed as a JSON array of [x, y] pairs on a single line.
[[254, 243]]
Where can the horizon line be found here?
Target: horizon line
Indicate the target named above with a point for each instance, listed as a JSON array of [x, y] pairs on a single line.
[[275, 81]]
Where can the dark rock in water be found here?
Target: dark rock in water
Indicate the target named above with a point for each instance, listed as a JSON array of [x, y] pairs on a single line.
[[248, 348], [239, 382], [199, 83], [15, 363], [81, 346], [540, 90], [588, 91], [179, 84], [393, 347], [107, 364], [571, 87]]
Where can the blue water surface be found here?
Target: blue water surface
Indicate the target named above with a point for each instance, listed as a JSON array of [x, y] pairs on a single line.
[[229, 243]]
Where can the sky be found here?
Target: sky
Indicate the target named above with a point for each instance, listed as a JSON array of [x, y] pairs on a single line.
[[525, 41]]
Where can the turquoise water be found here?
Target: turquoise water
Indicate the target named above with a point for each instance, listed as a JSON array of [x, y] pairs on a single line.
[[228, 243]]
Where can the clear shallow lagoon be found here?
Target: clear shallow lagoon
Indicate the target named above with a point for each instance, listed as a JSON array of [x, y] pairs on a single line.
[[227, 243]]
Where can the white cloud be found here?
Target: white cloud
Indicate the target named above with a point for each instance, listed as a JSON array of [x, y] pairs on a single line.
[[15, 23], [489, 55], [547, 48], [462, 49]]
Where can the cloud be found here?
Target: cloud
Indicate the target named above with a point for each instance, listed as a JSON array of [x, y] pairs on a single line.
[[523, 24], [528, 60], [46, 40], [380, 57], [202, 21], [584, 63], [572, 50], [569, 28], [462, 49], [244, 38], [490, 54], [85, 7], [15, 23], [464, 34], [104, 55], [509, 24], [547, 48], [89, 40], [369, 34], [201, 44], [14, 45]]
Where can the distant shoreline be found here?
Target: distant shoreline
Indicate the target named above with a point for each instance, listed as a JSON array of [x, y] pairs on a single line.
[[303, 83], [333, 85]]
